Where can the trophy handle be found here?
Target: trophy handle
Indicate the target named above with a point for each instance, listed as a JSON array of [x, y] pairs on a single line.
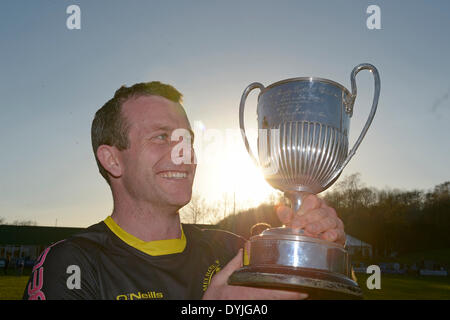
[[349, 110], [247, 91]]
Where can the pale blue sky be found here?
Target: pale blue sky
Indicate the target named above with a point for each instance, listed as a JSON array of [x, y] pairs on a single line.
[[54, 79]]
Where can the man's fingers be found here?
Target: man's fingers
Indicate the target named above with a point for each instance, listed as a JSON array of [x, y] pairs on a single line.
[[234, 264], [334, 235], [316, 218], [322, 225], [284, 214], [309, 202], [310, 217]]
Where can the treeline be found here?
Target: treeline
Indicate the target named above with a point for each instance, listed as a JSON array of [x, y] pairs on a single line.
[[18, 222], [393, 220], [242, 222], [390, 220]]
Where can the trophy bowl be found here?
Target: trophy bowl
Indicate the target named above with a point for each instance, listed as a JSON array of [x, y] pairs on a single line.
[[303, 128]]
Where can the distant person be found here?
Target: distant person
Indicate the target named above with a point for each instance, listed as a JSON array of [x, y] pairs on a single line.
[[20, 266], [258, 228], [7, 261], [142, 251]]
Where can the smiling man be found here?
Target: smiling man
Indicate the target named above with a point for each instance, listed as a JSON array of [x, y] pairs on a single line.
[[142, 251]]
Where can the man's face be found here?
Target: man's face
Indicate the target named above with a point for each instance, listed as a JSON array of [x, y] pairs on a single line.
[[149, 173]]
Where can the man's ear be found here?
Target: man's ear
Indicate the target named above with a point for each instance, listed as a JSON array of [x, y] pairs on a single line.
[[110, 159]]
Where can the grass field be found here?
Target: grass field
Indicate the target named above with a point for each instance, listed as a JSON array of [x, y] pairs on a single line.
[[12, 287], [400, 287], [392, 287]]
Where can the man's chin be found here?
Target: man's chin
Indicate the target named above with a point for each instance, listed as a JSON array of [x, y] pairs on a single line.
[[179, 200]]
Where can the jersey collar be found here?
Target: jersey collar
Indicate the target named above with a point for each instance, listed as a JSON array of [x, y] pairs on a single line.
[[153, 248]]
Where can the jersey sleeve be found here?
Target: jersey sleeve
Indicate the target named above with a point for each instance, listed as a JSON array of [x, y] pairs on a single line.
[[62, 272]]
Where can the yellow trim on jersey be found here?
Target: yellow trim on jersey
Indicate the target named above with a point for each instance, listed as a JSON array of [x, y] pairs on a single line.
[[153, 248], [246, 257]]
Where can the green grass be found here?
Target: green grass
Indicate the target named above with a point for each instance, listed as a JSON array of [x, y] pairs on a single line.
[[400, 287], [12, 287], [392, 287]]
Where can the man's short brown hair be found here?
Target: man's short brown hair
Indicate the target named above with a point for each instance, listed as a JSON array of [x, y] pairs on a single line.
[[109, 127]]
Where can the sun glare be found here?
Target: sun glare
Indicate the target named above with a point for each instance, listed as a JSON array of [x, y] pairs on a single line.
[[246, 179], [233, 174]]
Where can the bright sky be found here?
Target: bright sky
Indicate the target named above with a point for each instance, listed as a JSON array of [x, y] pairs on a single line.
[[54, 79]]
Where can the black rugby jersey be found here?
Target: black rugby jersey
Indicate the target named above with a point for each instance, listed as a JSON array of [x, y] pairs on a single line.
[[106, 262]]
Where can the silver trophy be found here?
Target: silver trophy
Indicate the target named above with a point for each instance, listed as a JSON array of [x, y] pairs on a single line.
[[302, 148]]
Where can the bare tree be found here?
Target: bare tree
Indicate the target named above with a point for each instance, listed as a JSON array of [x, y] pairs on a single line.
[[24, 223], [195, 210], [353, 192], [212, 213], [225, 203]]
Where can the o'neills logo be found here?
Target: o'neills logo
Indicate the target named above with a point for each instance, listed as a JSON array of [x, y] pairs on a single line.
[[139, 295], [212, 270]]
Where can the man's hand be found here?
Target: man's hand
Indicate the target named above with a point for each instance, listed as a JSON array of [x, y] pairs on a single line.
[[315, 218], [219, 289]]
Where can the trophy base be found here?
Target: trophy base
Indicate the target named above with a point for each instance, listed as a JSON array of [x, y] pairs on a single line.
[[317, 284], [284, 258]]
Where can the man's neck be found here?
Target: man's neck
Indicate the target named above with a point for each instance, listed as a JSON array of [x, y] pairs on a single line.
[[147, 223]]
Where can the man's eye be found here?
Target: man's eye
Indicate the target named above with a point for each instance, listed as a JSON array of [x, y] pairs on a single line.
[[162, 137]]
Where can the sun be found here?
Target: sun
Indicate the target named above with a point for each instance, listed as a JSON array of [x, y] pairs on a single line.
[[239, 177], [226, 173], [248, 182]]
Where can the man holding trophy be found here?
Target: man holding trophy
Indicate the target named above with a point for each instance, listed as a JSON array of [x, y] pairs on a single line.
[[142, 251]]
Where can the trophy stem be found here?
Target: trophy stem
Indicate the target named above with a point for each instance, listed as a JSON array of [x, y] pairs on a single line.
[[295, 197]]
